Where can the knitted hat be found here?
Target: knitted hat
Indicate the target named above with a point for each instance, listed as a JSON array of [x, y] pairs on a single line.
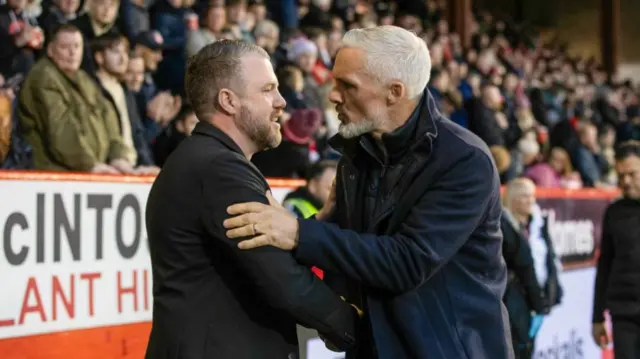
[[301, 46], [302, 125]]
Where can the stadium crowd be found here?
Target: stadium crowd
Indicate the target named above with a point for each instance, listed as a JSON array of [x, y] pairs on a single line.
[[97, 85]]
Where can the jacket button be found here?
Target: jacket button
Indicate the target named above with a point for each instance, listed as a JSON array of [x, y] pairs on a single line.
[[291, 356], [352, 177]]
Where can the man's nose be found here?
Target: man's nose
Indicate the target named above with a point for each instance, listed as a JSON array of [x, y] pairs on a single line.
[[334, 96], [280, 102]]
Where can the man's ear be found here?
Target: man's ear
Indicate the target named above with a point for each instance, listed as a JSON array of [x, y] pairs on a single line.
[[228, 101], [397, 91]]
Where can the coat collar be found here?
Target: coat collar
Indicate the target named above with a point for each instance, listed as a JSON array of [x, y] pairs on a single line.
[[206, 129], [421, 123]]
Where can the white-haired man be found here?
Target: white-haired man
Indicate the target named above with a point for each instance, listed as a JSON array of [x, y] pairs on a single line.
[[412, 234]]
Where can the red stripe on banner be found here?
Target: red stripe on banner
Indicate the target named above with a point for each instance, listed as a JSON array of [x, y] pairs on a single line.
[[127, 341], [94, 177]]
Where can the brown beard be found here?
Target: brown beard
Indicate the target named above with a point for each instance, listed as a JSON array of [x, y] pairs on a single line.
[[258, 131], [5, 127]]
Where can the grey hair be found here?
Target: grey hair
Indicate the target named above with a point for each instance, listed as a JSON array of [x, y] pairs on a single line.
[[265, 27], [393, 53]]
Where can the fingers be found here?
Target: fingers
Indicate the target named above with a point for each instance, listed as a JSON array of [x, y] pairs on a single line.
[[244, 231], [241, 208], [256, 242], [241, 220]]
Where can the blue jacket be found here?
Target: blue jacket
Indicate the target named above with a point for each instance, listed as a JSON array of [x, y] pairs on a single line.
[[428, 267]]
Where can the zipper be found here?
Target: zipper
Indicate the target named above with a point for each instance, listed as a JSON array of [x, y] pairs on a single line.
[[346, 194]]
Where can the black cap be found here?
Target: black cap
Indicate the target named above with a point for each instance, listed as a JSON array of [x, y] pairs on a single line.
[[150, 39]]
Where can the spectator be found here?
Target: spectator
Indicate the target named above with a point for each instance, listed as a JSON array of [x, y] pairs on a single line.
[[267, 34], [304, 54], [172, 135], [64, 115], [110, 52], [533, 285], [258, 10], [156, 107], [139, 17], [15, 152], [607, 142], [170, 22], [485, 118], [5, 122], [555, 172], [451, 106], [307, 200], [20, 39], [134, 77], [439, 85], [237, 19], [100, 18], [60, 12], [212, 24], [526, 154], [587, 158], [291, 87], [324, 61]]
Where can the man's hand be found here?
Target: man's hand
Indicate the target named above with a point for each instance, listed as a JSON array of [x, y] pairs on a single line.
[[158, 107], [147, 170], [123, 166], [104, 168], [600, 335], [268, 224]]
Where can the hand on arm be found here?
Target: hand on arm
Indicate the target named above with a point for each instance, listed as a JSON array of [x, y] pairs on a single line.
[[437, 226], [285, 284]]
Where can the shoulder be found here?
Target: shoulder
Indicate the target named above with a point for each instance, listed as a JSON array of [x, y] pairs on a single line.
[[615, 206], [42, 73], [231, 168], [458, 150], [459, 140]]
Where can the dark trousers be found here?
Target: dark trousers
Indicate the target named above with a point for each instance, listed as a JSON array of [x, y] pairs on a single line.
[[523, 350], [626, 337]]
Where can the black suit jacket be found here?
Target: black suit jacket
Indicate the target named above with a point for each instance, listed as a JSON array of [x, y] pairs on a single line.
[[212, 300]]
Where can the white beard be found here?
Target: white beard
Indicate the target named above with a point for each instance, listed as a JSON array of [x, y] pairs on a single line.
[[377, 120]]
